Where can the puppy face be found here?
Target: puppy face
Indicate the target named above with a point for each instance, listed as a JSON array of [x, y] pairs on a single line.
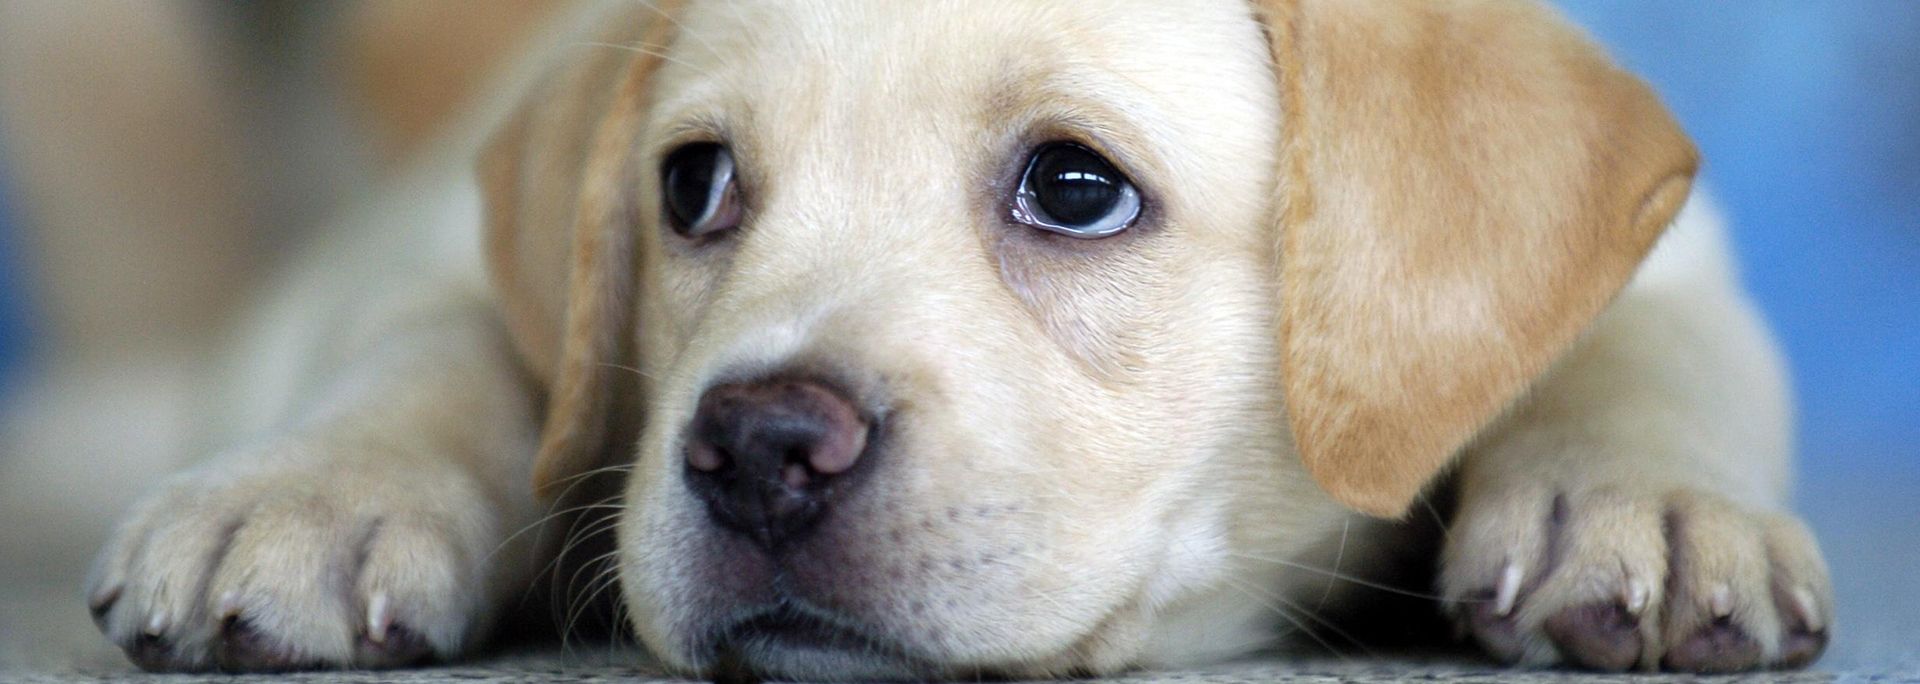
[[1050, 419], [949, 339]]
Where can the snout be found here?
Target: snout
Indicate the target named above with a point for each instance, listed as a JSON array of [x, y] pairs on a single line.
[[767, 459], [845, 500], [868, 518]]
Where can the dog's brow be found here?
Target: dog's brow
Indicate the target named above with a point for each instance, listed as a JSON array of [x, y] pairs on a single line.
[[1098, 106]]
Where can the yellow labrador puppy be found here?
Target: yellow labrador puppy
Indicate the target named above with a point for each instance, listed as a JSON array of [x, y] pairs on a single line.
[[1028, 338]]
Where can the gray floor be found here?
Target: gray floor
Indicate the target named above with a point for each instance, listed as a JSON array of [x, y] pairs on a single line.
[[556, 669], [1870, 527]]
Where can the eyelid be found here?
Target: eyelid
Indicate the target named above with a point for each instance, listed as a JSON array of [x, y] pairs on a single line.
[[685, 131], [1115, 144]]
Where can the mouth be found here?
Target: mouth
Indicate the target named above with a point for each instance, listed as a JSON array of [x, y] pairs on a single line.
[[799, 642]]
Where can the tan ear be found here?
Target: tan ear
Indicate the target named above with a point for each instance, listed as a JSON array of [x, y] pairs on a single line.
[[1467, 183], [559, 243]]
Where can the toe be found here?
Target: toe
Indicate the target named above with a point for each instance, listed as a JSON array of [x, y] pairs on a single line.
[[1719, 615], [1719, 647], [1611, 558], [156, 615], [1802, 647], [1597, 636], [1801, 591], [1498, 552], [244, 647], [152, 652], [414, 586], [398, 646], [101, 603], [278, 590], [1494, 629], [1804, 636]]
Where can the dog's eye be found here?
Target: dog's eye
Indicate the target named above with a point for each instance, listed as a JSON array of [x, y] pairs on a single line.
[[700, 192], [1071, 190]]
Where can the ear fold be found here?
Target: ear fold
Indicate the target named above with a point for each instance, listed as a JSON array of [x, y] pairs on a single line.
[[1467, 183], [559, 247]]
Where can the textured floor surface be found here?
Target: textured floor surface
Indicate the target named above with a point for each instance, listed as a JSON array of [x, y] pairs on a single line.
[[573, 670], [1870, 528]]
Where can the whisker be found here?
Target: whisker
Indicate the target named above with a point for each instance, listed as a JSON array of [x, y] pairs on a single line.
[[682, 28], [630, 369], [565, 600], [573, 537], [651, 52], [1348, 578], [576, 480], [1265, 600], [1446, 531], [618, 467], [620, 616], [578, 604], [544, 520], [1338, 555], [1328, 624]]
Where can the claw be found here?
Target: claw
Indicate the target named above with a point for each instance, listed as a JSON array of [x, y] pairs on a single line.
[[1721, 601], [1637, 597], [1809, 615], [377, 618], [1508, 591], [228, 606]]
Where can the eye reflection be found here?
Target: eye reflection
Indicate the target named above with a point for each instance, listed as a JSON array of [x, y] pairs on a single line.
[[701, 195]]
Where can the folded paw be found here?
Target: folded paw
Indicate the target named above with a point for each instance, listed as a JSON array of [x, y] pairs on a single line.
[[1613, 580], [291, 563]]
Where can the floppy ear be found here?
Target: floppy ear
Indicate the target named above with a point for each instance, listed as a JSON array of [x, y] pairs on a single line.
[[1466, 184], [559, 245]]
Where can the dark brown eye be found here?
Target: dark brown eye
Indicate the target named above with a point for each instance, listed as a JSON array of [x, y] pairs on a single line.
[[1071, 190], [698, 186]]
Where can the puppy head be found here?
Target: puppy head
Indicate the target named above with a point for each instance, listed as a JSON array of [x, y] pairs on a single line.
[[945, 341]]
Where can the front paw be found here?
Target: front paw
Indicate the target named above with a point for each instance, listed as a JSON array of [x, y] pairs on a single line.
[[1610, 580], [298, 562]]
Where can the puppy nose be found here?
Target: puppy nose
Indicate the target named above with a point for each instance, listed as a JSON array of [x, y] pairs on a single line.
[[765, 456]]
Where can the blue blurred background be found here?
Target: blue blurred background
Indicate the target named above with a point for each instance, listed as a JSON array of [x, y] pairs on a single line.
[[1808, 112], [13, 293]]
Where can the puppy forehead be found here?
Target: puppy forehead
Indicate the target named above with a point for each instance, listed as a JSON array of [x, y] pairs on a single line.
[[899, 62]]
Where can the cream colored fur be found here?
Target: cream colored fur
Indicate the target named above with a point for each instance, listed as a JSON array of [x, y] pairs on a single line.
[[1095, 468]]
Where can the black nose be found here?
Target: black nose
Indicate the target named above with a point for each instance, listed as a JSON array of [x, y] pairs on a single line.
[[766, 457]]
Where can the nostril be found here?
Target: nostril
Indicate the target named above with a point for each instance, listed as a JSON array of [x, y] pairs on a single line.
[[704, 456], [795, 476], [838, 446]]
